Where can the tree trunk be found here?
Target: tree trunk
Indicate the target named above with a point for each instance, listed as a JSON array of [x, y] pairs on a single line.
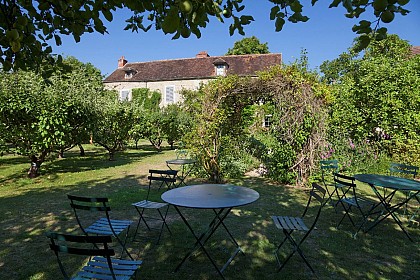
[[61, 154], [172, 144], [111, 154], [33, 171], [82, 150]]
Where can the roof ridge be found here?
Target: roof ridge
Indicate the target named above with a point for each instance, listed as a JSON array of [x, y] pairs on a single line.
[[209, 57]]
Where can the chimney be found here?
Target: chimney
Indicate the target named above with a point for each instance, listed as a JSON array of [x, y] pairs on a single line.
[[202, 54], [121, 62]]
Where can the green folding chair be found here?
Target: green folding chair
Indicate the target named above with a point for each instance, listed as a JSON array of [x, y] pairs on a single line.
[[100, 265], [289, 225], [351, 201], [157, 180], [101, 225], [406, 171], [328, 168]]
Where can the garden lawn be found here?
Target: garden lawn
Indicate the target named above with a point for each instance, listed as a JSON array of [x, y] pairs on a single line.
[[30, 207]]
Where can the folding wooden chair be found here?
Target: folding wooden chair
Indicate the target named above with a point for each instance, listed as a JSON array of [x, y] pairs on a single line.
[[289, 225], [328, 168], [103, 225], [100, 265], [350, 199], [157, 179]]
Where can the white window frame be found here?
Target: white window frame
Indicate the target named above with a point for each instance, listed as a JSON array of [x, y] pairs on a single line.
[[171, 90], [220, 70], [124, 95], [128, 75], [267, 120]]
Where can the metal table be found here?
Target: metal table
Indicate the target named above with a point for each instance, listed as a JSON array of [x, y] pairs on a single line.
[[186, 165], [393, 184], [221, 199]]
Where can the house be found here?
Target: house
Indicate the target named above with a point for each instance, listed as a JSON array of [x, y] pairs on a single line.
[[415, 50], [169, 77]]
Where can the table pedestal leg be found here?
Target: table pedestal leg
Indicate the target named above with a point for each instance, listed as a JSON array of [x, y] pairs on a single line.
[[385, 201], [201, 240]]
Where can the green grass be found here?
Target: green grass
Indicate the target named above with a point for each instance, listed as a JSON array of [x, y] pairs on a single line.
[[29, 208]]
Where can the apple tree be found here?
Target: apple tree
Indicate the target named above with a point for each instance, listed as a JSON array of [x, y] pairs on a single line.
[[39, 117]]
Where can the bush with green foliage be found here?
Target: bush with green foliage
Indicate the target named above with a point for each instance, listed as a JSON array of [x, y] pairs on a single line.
[[377, 98], [113, 122], [39, 117]]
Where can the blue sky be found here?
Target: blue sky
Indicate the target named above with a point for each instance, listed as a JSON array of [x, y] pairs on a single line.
[[326, 35]]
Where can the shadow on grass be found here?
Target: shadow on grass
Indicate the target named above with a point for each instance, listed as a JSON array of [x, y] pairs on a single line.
[[385, 253]]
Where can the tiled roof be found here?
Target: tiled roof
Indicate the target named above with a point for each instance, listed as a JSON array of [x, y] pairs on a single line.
[[415, 50], [193, 68]]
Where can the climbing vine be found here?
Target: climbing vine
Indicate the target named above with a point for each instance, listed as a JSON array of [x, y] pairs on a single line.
[[287, 148]]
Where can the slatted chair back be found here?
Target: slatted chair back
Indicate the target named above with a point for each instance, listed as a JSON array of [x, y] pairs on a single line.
[[330, 165], [92, 204], [328, 168], [181, 153], [350, 199], [316, 195], [404, 170], [344, 181], [99, 225], [101, 265], [159, 178]]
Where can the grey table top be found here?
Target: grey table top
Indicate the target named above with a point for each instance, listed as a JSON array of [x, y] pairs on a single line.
[[210, 196], [386, 181], [181, 161]]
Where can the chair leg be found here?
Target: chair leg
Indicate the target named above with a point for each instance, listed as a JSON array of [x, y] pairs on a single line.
[[347, 211], [296, 248], [123, 244], [164, 224], [139, 222], [162, 218]]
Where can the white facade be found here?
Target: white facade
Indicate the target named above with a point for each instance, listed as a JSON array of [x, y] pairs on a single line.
[[170, 90]]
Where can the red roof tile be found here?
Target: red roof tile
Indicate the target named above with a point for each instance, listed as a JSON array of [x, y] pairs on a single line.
[[415, 50], [193, 68]]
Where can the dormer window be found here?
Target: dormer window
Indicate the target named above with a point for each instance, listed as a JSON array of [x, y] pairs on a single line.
[[220, 67], [129, 73], [220, 70]]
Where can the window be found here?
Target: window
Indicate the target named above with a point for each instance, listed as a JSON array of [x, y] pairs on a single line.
[[125, 95], [267, 120], [220, 70], [169, 94], [128, 75]]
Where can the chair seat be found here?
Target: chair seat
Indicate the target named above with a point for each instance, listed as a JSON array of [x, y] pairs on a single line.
[[150, 204], [102, 227], [98, 268], [363, 202], [289, 223]]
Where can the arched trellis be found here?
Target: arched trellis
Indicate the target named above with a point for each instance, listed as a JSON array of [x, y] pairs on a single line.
[[299, 119]]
